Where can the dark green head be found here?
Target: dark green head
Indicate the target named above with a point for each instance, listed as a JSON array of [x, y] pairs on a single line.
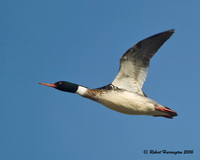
[[63, 86]]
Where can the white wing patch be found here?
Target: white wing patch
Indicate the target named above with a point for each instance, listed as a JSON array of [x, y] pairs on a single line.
[[134, 63], [130, 77]]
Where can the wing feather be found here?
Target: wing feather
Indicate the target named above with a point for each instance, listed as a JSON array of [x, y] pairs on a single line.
[[134, 63]]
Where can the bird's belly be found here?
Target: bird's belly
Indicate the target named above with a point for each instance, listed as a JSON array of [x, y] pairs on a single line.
[[127, 103]]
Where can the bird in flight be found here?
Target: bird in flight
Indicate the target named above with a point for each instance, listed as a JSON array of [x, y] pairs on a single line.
[[125, 93]]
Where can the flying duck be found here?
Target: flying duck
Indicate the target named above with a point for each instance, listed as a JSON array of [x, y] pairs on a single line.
[[125, 93]]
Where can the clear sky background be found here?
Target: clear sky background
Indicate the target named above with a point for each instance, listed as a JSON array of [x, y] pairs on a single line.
[[81, 42]]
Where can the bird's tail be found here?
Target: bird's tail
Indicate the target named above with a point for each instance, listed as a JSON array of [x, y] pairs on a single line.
[[170, 113]]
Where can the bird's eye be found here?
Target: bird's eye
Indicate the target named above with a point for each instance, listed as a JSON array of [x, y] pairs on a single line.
[[60, 83]]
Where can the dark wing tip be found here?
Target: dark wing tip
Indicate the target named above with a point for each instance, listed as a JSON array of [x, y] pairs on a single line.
[[165, 34], [145, 49], [171, 30], [153, 43]]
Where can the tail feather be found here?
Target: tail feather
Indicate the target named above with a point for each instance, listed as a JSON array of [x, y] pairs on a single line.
[[167, 110]]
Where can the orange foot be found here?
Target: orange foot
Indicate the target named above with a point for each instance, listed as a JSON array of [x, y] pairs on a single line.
[[170, 113]]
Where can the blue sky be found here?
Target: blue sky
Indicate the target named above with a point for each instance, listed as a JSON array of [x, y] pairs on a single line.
[[81, 42]]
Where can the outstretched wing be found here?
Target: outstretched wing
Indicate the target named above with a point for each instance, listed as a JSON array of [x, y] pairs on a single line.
[[134, 63]]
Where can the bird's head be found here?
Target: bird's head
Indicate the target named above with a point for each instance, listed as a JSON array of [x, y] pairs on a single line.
[[63, 86]]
